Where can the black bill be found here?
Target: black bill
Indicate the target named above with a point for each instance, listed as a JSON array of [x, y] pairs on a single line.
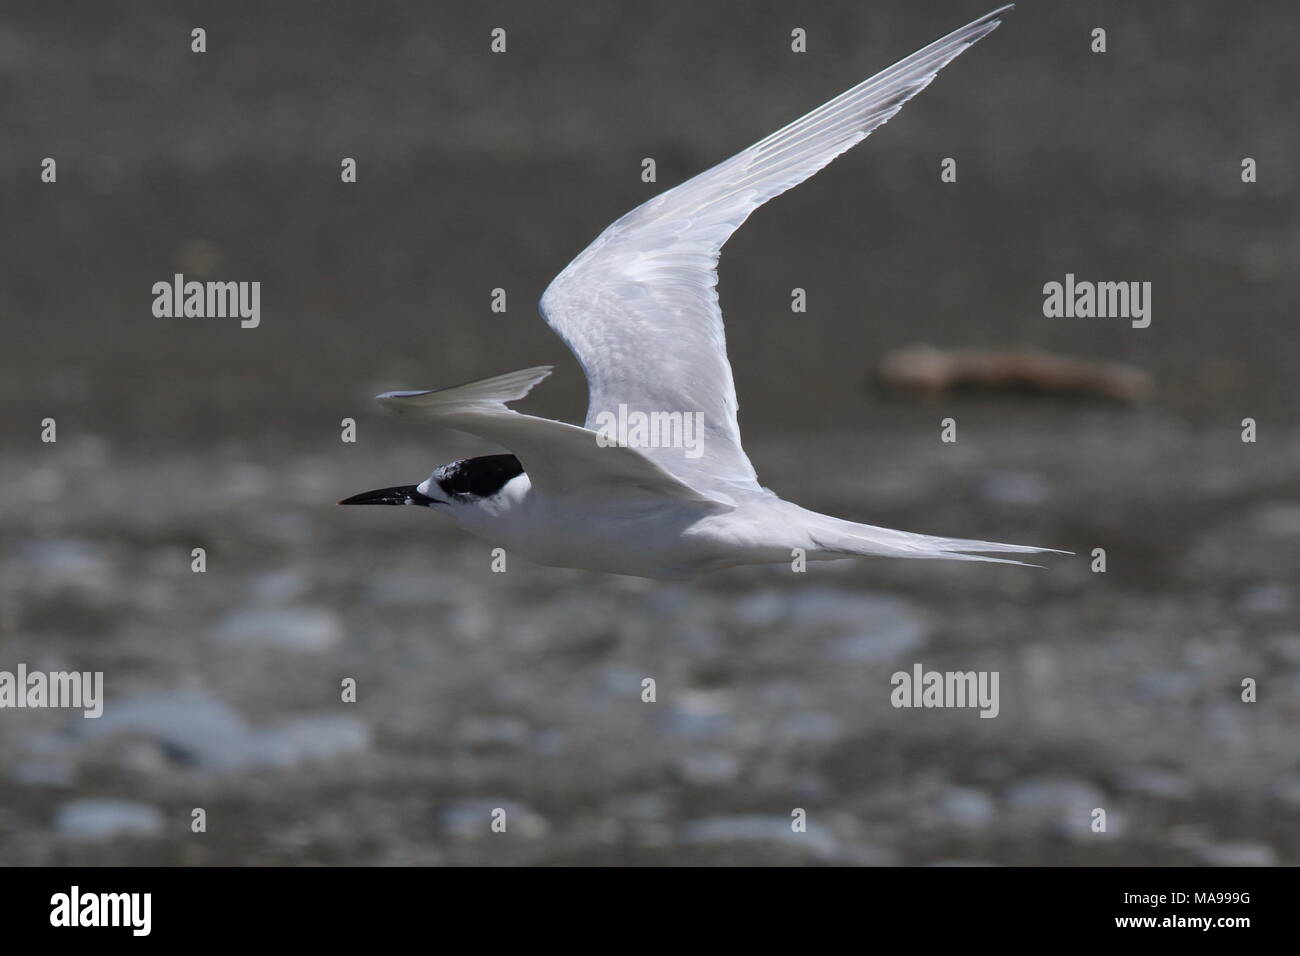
[[400, 495]]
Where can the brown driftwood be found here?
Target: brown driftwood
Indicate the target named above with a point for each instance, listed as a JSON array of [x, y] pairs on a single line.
[[929, 372]]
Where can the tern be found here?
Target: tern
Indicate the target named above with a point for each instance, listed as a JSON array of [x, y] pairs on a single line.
[[639, 309]]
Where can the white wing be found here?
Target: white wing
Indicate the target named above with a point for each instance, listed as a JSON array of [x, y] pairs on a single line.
[[639, 307], [563, 460]]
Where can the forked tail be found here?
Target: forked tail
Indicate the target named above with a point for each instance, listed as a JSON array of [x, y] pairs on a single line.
[[834, 537]]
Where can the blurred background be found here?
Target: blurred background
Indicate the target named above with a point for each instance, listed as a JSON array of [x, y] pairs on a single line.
[[477, 690]]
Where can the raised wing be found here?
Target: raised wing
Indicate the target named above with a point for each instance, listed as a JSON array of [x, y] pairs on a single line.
[[563, 460], [639, 307]]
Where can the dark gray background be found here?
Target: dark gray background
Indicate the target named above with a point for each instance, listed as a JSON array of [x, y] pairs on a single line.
[[481, 690]]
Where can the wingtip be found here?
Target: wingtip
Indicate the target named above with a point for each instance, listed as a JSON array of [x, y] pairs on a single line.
[[992, 19]]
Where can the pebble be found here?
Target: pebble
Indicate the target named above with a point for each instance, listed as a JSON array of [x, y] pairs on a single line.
[[313, 739], [196, 728], [708, 768], [300, 628], [67, 564], [280, 587], [760, 829], [1240, 853], [805, 727], [43, 771], [1153, 782], [1267, 600], [859, 626], [100, 820], [862, 628], [1286, 646], [1058, 804], [206, 733], [489, 733], [966, 808], [473, 818]]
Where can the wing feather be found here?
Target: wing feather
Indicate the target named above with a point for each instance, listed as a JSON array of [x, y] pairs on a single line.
[[563, 460], [639, 307]]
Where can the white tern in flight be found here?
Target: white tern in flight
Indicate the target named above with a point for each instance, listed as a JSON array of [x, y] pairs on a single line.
[[640, 311]]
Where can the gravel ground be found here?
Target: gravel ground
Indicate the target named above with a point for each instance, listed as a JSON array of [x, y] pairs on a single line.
[[522, 690]]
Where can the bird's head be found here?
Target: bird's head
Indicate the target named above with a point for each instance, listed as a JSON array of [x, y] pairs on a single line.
[[464, 485]]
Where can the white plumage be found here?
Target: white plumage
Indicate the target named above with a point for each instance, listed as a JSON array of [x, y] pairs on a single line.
[[639, 309]]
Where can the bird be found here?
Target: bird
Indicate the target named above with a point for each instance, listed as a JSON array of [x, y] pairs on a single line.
[[656, 484]]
